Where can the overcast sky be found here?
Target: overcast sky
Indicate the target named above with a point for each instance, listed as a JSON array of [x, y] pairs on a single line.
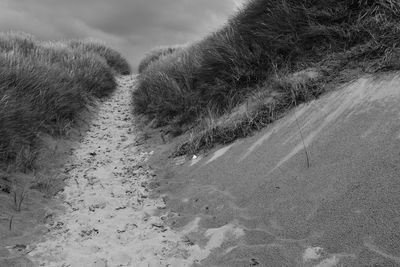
[[131, 26]]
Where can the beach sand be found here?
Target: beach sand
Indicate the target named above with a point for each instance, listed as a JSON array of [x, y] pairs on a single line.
[[106, 216]]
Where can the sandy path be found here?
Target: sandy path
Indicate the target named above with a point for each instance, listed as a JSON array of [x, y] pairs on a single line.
[[108, 219]]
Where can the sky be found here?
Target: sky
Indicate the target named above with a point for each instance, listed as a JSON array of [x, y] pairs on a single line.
[[132, 27]]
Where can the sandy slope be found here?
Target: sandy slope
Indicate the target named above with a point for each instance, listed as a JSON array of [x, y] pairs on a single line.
[[108, 217], [342, 209]]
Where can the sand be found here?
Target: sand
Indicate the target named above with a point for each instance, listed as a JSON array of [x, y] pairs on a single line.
[[108, 217], [339, 208], [255, 202]]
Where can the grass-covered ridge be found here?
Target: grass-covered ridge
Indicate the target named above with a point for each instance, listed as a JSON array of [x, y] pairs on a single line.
[[44, 87], [113, 58], [157, 54], [249, 66]]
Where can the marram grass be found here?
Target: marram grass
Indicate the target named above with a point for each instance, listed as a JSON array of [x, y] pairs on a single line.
[[44, 86], [262, 43]]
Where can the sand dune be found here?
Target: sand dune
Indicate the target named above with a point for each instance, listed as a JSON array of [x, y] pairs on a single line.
[[339, 208], [255, 202]]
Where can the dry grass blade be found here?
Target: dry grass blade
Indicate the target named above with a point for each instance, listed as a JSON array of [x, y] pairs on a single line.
[[308, 158], [10, 223]]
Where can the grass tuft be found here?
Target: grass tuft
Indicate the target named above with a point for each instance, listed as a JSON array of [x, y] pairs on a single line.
[[113, 58]]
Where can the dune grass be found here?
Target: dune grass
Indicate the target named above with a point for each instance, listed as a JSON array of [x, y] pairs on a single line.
[[44, 87], [113, 58], [258, 52], [156, 54]]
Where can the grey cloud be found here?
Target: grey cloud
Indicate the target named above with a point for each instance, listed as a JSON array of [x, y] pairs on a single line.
[[132, 26]]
